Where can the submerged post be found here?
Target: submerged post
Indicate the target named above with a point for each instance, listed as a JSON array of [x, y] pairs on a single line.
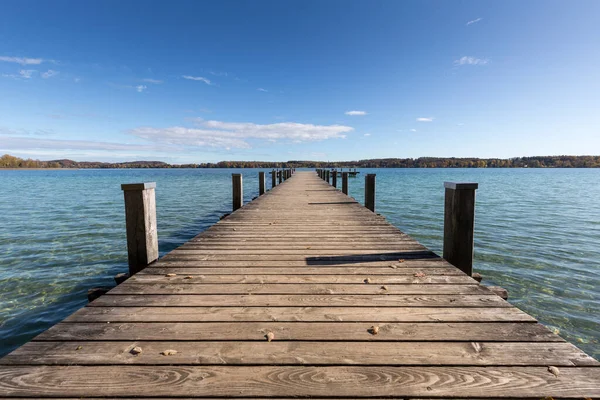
[[370, 192], [273, 179], [459, 223], [238, 193], [334, 179], [261, 183], [345, 183], [140, 223]]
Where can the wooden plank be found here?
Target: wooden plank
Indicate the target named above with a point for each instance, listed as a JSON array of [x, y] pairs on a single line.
[[312, 260], [290, 381], [200, 278], [303, 353], [340, 272], [408, 263], [285, 288], [347, 331], [306, 314], [299, 300]]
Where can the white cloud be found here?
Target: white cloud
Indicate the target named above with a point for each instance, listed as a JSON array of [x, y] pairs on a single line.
[[425, 119], [197, 78], [141, 88], [476, 20], [235, 134], [467, 60], [154, 81], [367, 134], [26, 73], [413, 130], [22, 60], [262, 90], [355, 113], [49, 74], [76, 80], [26, 143]]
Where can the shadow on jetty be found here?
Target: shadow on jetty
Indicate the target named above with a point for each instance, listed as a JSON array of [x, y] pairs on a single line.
[[361, 258]]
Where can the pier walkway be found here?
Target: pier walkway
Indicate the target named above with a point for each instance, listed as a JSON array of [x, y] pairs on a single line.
[[301, 293]]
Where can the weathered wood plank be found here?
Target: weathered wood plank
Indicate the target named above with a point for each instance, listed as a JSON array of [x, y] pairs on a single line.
[[287, 288], [339, 272], [306, 314], [289, 381], [347, 331], [198, 277], [302, 353], [299, 300]]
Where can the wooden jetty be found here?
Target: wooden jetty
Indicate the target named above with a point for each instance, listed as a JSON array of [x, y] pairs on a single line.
[[302, 293]]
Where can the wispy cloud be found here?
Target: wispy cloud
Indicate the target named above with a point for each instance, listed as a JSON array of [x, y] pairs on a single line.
[[413, 130], [49, 74], [153, 81], [235, 134], [22, 60], [425, 119], [367, 134], [27, 73], [476, 20], [27, 143], [355, 112], [197, 78], [468, 60], [262, 90], [218, 73], [141, 88]]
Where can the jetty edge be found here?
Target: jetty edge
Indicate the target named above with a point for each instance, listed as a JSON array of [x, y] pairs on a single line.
[[302, 292]]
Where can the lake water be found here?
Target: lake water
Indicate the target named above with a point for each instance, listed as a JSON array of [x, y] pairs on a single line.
[[537, 235]]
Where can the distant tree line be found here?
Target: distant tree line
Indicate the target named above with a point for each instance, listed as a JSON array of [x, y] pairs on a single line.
[[8, 161]]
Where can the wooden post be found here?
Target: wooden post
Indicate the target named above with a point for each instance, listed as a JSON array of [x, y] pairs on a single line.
[[238, 193], [459, 223], [370, 192], [327, 176], [261, 183], [140, 223], [334, 179], [273, 179], [280, 177], [345, 183]]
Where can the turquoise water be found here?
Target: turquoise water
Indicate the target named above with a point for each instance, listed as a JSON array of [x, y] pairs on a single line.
[[537, 234]]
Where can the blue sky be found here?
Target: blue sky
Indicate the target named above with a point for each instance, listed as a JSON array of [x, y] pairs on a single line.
[[278, 80]]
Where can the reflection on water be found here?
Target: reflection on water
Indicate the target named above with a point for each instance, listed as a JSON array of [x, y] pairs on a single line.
[[537, 234]]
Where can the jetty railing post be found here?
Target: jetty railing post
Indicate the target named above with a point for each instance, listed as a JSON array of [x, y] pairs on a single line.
[[327, 176], [273, 179], [334, 179], [140, 223], [238, 193], [261, 183], [370, 192], [280, 176], [345, 183], [459, 223]]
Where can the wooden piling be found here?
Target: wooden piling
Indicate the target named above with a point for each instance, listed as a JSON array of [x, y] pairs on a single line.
[[261, 183], [327, 175], [345, 183], [459, 222], [334, 179], [238, 192], [280, 177], [140, 223], [273, 179], [370, 192]]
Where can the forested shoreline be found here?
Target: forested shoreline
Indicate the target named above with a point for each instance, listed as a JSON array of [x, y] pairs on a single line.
[[8, 161]]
